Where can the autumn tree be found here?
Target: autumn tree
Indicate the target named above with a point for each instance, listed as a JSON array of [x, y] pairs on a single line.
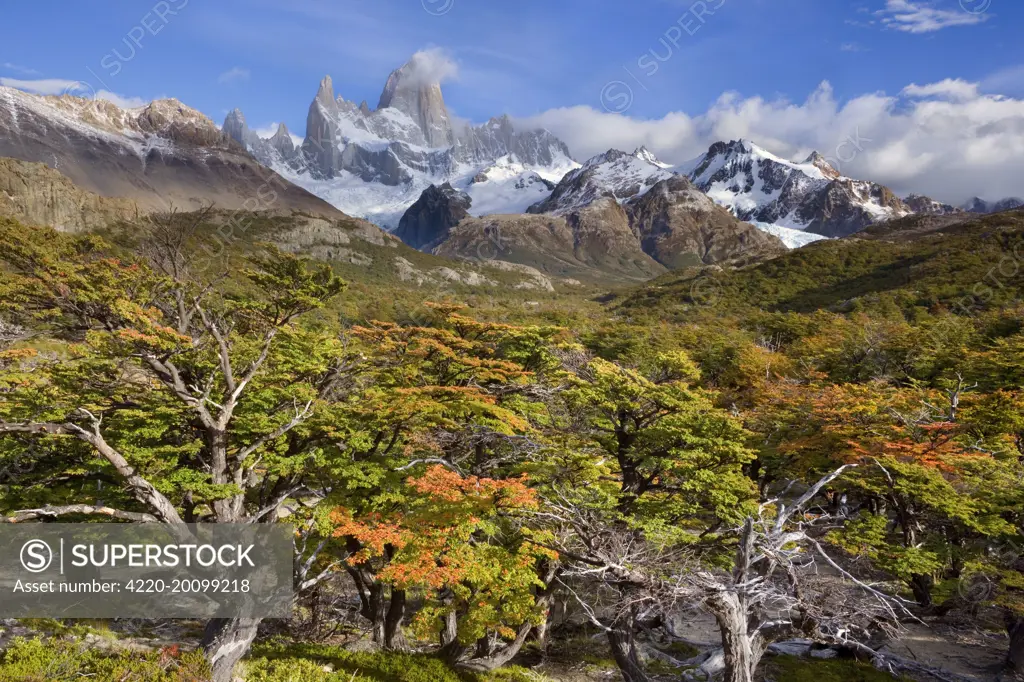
[[456, 393], [190, 404]]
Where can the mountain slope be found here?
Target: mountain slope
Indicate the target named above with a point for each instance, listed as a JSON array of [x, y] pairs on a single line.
[[680, 226], [591, 247], [160, 156], [613, 174], [618, 217], [924, 265]]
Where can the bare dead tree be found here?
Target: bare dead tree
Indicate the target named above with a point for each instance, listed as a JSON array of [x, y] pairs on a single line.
[[783, 582]]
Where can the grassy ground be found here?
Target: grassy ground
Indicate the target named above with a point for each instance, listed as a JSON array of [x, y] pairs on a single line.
[[67, 660]]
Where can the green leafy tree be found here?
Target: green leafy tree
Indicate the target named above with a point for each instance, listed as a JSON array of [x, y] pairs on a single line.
[[649, 469], [191, 405]]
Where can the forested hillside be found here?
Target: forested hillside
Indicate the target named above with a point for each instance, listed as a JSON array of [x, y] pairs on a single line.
[[812, 454]]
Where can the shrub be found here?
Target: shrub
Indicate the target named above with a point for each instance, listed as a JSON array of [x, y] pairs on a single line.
[[55, 660], [310, 663]]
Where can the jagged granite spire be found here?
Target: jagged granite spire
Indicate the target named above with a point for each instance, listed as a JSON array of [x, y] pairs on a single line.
[[322, 130], [235, 127], [282, 142], [413, 90]]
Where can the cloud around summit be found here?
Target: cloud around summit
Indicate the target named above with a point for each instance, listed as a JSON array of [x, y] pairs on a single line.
[[948, 139]]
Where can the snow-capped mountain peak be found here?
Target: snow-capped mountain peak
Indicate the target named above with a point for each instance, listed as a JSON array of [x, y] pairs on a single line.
[[611, 174], [812, 196], [821, 163], [644, 154]]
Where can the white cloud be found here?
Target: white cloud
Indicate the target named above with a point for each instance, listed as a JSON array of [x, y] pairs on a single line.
[[121, 100], [236, 74], [946, 140], [953, 89], [44, 86], [922, 17], [17, 68], [1008, 81], [434, 65]]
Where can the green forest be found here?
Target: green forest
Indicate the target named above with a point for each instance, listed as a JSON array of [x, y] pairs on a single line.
[[497, 484]]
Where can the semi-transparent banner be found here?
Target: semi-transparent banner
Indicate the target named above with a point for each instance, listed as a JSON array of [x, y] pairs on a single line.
[[113, 570]]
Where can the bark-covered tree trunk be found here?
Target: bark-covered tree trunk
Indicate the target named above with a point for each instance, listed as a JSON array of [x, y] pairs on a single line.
[[1015, 656], [225, 641], [487, 659], [376, 612], [922, 588], [624, 651], [452, 650], [742, 649], [394, 638], [372, 602]]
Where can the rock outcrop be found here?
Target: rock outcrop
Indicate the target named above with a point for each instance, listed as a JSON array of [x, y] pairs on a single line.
[[553, 246], [35, 194], [428, 221], [421, 100], [923, 205]]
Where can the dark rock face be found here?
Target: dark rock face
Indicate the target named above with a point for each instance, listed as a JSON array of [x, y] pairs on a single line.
[[680, 226], [428, 221], [841, 207]]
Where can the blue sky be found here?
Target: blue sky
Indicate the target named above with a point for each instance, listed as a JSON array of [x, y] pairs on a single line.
[[523, 57], [662, 65]]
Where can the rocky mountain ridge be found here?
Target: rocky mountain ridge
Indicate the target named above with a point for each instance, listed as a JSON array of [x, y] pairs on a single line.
[[161, 156], [619, 216]]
